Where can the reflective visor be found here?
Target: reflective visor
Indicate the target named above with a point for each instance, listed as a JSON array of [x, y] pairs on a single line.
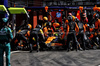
[[5, 20]]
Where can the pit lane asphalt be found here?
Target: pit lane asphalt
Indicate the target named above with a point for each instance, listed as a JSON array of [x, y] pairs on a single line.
[[56, 58]]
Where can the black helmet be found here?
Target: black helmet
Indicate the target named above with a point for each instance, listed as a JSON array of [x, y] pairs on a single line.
[[70, 18], [97, 16], [3, 22], [69, 14], [48, 24], [38, 26]]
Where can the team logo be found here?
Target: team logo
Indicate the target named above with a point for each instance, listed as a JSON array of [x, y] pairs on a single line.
[[58, 14]]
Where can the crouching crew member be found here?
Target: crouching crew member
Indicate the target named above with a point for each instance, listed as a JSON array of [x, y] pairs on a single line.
[[36, 37]]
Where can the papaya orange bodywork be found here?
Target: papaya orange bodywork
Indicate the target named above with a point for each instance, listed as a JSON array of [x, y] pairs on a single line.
[[97, 24], [50, 39]]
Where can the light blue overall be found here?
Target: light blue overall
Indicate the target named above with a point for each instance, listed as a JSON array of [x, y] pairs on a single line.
[[5, 35]]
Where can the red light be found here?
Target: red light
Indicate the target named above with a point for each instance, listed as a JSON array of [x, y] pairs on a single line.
[[29, 10]]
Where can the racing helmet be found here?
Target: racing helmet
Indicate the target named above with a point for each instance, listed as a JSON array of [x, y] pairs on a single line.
[[87, 25], [4, 20], [48, 24], [96, 16], [29, 26], [45, 18], [66, 21], [56, 24], [69, 14], [70, 18]]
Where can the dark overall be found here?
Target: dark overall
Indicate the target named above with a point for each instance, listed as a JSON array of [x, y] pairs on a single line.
[[81, 36], [35, 38], [19, 36], [72, 36], [5, 35]]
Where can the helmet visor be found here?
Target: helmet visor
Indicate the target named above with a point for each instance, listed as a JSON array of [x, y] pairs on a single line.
[[4, 20]]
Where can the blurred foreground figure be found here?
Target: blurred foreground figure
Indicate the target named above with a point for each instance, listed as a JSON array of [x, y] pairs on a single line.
[[5, 36]]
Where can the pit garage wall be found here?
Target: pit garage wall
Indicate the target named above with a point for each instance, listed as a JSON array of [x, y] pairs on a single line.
[[34, 19], [58, 19], [37, 18]]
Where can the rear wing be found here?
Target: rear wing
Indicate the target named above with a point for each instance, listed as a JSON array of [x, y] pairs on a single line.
[[14, 10], [3, 10]]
